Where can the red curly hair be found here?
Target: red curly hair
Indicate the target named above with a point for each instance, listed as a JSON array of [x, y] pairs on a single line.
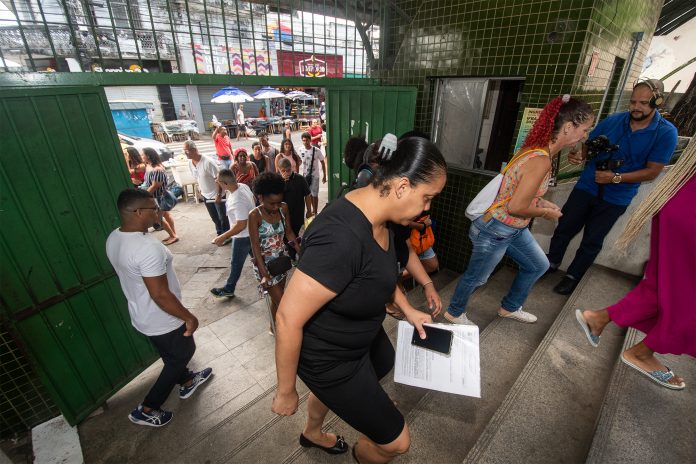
[[542, 130]]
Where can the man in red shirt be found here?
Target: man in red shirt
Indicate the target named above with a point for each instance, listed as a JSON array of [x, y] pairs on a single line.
[[315, 133], [223, 146]]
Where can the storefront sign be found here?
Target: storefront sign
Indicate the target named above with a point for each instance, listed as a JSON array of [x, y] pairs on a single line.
[[134, 68], [529, 117], [309, 65]]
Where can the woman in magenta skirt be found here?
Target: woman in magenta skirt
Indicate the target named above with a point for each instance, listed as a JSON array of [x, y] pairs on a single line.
[[662, 305]]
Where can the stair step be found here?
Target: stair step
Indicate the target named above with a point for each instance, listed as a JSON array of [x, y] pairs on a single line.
[[444, 427], [642, 422], [557, 396]]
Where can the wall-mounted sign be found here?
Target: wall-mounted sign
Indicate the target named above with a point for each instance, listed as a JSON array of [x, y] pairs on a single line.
[[594, 61], [309, 65], [134, 68], [529, 117]]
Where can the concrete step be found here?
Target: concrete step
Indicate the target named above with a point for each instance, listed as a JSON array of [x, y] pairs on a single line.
[[254, 434], [444, 427], [642, 422], [549, 413]]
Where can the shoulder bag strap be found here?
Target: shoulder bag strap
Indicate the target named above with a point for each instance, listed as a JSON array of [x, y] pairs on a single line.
[[507, 166]]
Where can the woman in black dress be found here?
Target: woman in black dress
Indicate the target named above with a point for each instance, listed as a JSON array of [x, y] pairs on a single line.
[[329, 324]]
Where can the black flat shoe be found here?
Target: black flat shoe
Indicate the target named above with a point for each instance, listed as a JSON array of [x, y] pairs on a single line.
[[566, 286], [339, 447]]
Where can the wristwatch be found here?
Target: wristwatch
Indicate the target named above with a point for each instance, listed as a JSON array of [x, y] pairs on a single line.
[[616, 179]]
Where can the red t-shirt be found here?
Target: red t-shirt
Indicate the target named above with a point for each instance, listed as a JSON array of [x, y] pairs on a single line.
[[223, 146], [315, 132]]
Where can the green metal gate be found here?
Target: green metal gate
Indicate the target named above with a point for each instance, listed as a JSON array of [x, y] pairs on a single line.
[[60, 173], [369, 112]]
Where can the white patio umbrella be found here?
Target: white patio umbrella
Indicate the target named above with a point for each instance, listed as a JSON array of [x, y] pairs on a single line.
[[267, 93], [299, 95]]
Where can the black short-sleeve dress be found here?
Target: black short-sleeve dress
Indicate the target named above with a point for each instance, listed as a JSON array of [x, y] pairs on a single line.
[[345, 350]]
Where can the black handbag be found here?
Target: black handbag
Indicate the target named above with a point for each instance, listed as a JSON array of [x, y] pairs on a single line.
[[279, 265]]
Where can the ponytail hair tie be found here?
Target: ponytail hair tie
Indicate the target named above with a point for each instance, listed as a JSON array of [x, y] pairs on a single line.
[[566, 98]]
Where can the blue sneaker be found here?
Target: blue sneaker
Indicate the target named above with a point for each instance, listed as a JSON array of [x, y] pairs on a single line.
[[154, 418], [198, 379]]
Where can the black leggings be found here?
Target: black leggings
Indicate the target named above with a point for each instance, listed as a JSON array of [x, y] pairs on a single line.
[[176, 352]]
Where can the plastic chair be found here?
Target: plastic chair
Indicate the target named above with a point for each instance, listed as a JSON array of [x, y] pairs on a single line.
[[183, 177]]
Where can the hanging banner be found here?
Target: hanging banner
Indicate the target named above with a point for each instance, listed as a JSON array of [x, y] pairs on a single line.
[[309, 65]]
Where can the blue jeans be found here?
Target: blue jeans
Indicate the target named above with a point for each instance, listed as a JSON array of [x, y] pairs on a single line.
[[225, 164], [491, 241], [241, 246]]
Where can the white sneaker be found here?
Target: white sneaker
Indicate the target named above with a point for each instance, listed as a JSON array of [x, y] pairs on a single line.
[[521, 316], [462, 320]]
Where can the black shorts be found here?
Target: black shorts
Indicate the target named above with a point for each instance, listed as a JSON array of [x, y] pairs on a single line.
[[241, 128], [360, 400]]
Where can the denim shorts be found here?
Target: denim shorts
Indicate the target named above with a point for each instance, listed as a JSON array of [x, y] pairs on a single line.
[[427, 254]]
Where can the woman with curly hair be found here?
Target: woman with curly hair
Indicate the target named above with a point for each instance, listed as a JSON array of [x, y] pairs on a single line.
[[267, 227], [503, 229]]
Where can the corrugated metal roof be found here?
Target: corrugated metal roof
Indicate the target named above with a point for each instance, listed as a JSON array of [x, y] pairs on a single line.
[[674, 14]]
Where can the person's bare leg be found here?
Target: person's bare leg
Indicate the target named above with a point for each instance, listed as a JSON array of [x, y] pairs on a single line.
[[168, 229], [642, 356], [276, 293], [315, 203], [369, 452], [170, 220], [316, 413], [597, 320], [430, 265]]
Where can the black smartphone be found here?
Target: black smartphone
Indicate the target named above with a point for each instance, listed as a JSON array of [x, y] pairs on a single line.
[[436, 339]]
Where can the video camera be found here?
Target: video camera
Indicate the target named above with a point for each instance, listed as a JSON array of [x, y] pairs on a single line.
[[601, 144]]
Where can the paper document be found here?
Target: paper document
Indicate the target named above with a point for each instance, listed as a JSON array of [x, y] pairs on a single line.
[[459, 372]]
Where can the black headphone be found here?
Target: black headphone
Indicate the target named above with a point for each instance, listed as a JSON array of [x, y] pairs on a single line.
[[386, 149], [364, 172], [657, 98]]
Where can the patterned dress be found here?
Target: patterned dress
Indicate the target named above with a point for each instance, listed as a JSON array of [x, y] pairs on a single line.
[[272, 246]]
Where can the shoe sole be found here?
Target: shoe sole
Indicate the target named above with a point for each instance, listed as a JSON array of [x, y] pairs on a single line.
[[647, 374], [196, 387], [220, 297], [148, 424], [512, 318], [585, 327]]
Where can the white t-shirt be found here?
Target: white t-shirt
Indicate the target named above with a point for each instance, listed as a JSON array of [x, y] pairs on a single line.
[[240, 116], [205, 173], [238, 205], [306, 155], [135, 255]]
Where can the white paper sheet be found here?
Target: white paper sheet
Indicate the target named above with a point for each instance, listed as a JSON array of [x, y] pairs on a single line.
[[458, 373]]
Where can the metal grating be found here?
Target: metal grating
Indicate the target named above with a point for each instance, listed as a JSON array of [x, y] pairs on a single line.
[[24, 402], [319, 38]]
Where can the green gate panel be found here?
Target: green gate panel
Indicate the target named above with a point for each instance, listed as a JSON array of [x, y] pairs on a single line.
[[363, 111], [61, 171]]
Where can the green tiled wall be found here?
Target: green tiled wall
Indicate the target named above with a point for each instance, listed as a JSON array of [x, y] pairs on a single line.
[[549, 43]]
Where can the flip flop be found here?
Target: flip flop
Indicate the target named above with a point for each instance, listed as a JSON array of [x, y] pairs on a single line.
[[659, 377], [593, 339], [171, 241]]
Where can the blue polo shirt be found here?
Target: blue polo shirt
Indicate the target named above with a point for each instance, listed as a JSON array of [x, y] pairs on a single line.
[[655, 143]]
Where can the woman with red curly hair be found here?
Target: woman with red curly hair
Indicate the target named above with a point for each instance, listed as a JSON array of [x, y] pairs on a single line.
[[503, 229]]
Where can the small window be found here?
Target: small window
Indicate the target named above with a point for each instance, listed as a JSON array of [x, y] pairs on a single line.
[[474, 120]]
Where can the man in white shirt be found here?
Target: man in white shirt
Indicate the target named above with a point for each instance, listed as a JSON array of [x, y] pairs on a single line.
[[144, 268], [240, 202], [241, 123], [205, 171], [312, 163]]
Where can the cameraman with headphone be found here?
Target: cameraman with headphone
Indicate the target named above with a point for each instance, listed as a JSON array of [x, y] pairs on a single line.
[[645, 142]]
